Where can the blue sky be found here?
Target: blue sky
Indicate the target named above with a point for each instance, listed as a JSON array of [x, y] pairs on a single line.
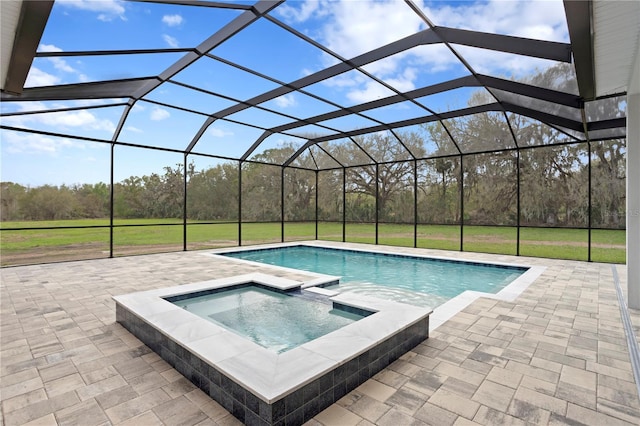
[[349, 28]]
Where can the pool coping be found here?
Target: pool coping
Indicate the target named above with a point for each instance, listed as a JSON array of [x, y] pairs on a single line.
[[267, 374], [440, 314]]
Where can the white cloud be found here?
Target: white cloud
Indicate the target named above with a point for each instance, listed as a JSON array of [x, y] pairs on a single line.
[[350, 37], [172, 20], [159, 114], [107, 9], [433, 58], [403, 82], [346, 80], [60, 121], [82, 118], [544, 20], [138, 107], [30, 143], [37, 78], [61, 65], [171, 41], [541, 19], [93, 102], [306, 9], [218, 133], [133, 129], [49, 48], [501, 64], [369, 92], [29, 106], [285, 101], [354, 27]]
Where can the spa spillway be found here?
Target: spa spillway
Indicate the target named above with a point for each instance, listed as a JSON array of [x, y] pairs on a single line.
[[268, 351]]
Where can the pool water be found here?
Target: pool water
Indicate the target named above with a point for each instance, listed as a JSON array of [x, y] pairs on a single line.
[[274, 320], [410, 279]]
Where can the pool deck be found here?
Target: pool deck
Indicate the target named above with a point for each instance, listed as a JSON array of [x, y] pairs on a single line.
[[556, 354]]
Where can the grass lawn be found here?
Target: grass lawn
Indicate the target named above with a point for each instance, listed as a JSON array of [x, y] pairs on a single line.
[[139, 236]]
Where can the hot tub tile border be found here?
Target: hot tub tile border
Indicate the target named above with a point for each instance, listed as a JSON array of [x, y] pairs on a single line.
[[298, 406], [292, 400]]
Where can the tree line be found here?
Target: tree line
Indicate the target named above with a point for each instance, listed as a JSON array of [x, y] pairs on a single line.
[[553, 190]]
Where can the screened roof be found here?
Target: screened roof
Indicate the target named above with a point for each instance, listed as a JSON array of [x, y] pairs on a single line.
[[234, 79]]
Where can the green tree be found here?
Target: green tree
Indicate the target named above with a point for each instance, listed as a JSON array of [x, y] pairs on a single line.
[[48, 202], [300, 193], [261, 187], [11, 198], [93, 200], [391, 180], [608, 184], [212, 193], [128, 199]]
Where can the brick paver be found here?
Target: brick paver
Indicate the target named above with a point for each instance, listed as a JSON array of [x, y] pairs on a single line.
[[555, 355]]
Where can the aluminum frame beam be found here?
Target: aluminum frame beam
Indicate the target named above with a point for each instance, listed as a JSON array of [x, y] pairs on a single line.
[[202, 3], [467, 81], [94, 90], [578, 15], [33, 19], [112, 52], [402, 123], [516, 45], [551, 50]]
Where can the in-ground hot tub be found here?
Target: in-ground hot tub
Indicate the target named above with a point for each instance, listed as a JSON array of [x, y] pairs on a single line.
[[272, 385], [274, 319]]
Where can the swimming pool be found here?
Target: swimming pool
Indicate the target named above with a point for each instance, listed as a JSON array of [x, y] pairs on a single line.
[[405, 278]]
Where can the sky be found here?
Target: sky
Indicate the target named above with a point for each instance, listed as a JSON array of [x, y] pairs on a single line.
[[348, 28]]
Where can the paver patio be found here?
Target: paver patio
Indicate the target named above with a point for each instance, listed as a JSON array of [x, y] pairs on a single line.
[[556, 355]]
